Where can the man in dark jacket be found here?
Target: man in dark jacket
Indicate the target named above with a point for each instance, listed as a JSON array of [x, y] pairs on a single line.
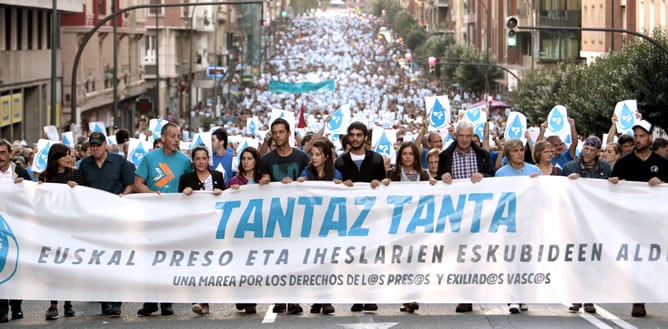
[[464, 159], [360, 165]]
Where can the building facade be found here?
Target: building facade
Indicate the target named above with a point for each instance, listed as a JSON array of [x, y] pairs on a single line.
[[25, 76]]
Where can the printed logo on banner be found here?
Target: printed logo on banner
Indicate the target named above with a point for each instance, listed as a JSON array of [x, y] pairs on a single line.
[[384, 145], [42, 157], [138, 154], [438, 114], [627, 118], [515, 130], [335, 120], [556, 119], [473, 114], [9, 252], [197, 142]]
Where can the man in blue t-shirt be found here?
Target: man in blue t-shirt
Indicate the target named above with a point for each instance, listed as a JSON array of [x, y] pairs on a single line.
[[160, 171], [221, 155]]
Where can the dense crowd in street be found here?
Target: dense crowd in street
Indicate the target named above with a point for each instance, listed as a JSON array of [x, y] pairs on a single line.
[[381, 93]]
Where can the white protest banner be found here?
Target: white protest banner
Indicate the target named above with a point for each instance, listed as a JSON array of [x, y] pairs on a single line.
[[97, 126], [539, 240], [625, 111], [515, 127], [477, 116], [155, 126], [40, 160], [252, 125], [339, 120], [68, 138], [382, 141], [438, 112], [137, 149], [51, 133]]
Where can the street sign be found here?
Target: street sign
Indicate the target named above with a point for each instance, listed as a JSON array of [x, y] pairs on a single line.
[[216, 72]]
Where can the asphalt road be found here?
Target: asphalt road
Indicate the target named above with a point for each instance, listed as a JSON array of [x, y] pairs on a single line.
[[441, 316]]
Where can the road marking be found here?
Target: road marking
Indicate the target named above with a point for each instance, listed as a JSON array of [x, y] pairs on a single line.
[[269, 316], [373, 325], [609, 316]]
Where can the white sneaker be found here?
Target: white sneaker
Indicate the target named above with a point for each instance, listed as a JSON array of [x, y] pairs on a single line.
[[514, 308]]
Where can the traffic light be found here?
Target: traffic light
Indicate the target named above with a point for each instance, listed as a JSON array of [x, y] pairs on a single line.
[[511, 35]]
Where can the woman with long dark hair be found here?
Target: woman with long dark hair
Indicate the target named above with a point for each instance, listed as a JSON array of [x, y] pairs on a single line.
[[322, 168], [408, 169], [59, 170], [249, 173]]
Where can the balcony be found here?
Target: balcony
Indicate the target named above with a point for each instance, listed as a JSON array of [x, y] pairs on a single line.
[[443, 3]]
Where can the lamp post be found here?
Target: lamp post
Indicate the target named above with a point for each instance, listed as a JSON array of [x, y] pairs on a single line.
[[226, 53]]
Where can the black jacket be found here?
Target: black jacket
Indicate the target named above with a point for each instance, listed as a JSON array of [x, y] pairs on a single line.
[[373, 167], [191, 180], [485, 166]]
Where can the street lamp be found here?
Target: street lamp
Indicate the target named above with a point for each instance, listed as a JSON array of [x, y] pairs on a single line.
[[226, 53]]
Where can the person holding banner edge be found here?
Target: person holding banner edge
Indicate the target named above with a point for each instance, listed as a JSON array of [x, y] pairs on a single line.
[[641, 165], [561, 154], [159, 172], [10, 173], [283, 164], [360, 165]]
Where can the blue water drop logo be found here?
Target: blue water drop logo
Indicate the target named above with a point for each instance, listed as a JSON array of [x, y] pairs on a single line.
[[556, 120], [568, 140], [138, 154], [241, 150], [626, 118], [437, 115], [335, 120], [384, 146], [252, 127], [97, 128], [282, 115], [197, 142], [9, 252], [480, 130], [158, 129], [42, 157], [515, 129], [473, 114], [67, 141]]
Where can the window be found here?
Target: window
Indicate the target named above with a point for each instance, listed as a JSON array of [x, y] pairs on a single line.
[[31, 30], [584, 14], [601, 23], [155, 11], [185, 11], [592, 34], [19, 28], [149, 49], [102, 7]]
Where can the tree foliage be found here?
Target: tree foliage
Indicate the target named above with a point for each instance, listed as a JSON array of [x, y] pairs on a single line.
[[637, 71]]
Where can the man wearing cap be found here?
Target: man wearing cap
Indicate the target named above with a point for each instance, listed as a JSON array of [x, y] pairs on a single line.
[[641, 165], [587, 164], [109, 172]]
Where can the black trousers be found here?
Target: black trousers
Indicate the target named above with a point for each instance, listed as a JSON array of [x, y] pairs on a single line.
[[5, 304]]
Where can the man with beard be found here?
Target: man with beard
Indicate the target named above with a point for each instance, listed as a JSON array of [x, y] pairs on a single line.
[[641, 165], [360, 165]]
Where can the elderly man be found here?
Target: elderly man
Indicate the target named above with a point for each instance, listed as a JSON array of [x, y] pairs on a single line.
[[463, 159]]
